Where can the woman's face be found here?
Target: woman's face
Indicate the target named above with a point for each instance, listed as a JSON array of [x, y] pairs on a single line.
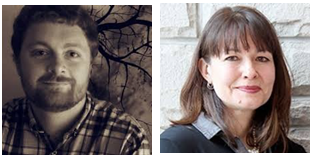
[[243, 80]]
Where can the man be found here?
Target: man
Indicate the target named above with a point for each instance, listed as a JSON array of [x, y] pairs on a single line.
[[54, 47]]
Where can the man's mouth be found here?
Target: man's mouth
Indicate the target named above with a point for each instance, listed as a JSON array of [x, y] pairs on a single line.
[[54, 82]]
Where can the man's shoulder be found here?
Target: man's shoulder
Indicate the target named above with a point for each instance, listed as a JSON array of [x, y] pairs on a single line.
[[114, 122], [102, 107], [107, 111], [13, 111], [14, 105]]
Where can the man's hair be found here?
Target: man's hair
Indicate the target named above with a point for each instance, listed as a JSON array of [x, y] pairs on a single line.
[[70, 15]]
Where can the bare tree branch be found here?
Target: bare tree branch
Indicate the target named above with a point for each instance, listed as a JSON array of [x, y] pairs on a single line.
[[125, 47], [124, 87], [117, 59], [105, 16], [103, 27]]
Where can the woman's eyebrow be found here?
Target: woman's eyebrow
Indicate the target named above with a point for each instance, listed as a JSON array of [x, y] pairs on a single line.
[[232, 50], [261, 51]]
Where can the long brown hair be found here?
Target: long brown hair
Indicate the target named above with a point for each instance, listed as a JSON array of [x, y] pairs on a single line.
[[226, 27]]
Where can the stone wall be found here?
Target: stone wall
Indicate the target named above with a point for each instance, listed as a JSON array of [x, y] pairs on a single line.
[[181, 26]]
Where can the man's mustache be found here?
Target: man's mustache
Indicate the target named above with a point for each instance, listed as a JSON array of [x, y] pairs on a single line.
[[55, 78]]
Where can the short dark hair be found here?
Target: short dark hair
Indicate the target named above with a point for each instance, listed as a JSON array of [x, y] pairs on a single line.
[[70, 15]]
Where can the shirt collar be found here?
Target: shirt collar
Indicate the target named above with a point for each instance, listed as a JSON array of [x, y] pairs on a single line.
[[210, 129], [38, 130], [88, 105], [206, 126]]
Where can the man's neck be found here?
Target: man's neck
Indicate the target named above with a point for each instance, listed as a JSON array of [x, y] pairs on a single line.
[[55, 124]]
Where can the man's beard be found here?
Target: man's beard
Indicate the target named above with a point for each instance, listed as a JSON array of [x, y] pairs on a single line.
[[54, 100]]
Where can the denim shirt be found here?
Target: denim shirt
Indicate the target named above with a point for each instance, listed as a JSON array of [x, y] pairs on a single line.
[[209, 130]]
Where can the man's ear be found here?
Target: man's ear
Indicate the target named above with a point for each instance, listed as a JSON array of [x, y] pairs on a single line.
[[91, 69], [18, 70], [17, 65], [203, 69]]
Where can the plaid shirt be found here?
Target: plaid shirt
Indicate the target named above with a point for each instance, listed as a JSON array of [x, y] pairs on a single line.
[[102, 129]]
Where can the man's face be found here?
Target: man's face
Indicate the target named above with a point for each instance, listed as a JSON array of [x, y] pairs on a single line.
[[55, 65]]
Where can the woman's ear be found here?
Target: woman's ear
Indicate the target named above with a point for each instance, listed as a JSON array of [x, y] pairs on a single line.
[[203, 69]]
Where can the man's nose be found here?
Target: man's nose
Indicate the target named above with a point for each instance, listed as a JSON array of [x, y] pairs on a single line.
[[57, 65], [249, 70]]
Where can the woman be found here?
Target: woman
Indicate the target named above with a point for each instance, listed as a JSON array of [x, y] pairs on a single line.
[[238, 93]]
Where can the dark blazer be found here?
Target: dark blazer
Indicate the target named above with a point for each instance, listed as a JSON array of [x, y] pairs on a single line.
[[187, 139]]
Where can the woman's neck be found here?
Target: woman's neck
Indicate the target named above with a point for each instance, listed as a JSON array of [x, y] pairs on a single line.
[[238, 122]]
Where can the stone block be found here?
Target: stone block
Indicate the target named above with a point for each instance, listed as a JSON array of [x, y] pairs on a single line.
[[288, 19], [304, 30], [297, 54], [301, 136], [175, 63], [166, 115], [177, 20], [301, 73], [300, 112]]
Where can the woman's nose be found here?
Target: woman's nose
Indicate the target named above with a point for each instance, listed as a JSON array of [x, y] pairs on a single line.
[[249, 71]]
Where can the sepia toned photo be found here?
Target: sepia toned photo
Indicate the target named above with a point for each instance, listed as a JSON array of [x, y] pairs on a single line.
[[77, 80]]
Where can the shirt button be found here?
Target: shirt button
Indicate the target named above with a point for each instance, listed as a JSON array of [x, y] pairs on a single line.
[[54, 153]]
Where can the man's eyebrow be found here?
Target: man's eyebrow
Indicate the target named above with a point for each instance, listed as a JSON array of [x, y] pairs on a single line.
[[41, 43], [72, 45], [38, 43]]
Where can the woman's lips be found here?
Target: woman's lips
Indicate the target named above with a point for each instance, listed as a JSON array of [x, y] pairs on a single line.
[[249, 89]]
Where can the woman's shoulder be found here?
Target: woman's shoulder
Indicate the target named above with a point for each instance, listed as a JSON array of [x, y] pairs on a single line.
[[187, 139], [292, 147], [295, 148], [173, 133], [176, 139]]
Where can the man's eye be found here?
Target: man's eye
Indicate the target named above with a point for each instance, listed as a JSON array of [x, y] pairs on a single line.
[[232, 58], [39, 53], [262, 59], [73, 54]]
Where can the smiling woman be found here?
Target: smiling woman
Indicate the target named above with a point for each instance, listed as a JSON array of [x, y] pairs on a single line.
[[246, 79], [238, 92]]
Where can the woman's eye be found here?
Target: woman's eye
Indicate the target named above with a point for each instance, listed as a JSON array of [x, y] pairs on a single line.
[[262, 59], [232, 58]]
